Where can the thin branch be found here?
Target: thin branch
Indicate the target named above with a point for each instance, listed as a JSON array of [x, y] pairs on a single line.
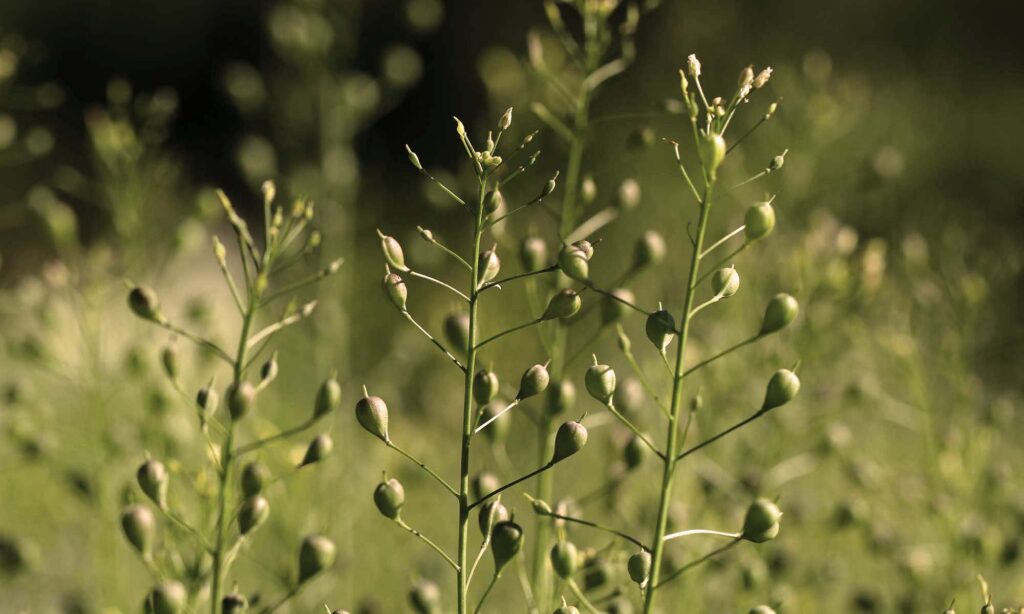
[[427, 541], [491, 284], [719, 242], [672, 536], [695, 563], [518, 480], [256, 445], [424, 467], [629, 425], [440, 346], [725, 352], [715, 438], [599, 527], [507, 332], [438, 282]]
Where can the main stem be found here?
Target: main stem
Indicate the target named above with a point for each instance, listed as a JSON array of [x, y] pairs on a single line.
[[467, 407], [670, 461]]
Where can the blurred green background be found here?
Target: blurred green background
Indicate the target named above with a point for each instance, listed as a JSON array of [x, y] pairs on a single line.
[[900, 216]]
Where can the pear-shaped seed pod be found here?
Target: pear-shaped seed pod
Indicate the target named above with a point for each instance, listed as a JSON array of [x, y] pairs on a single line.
[[649, 250], [613, 310], [762, 521], [254, 478], [144, 303], [497, 430], [758, 221], [534, 381], [660, 329], [389, 497], [393, 253], [167, 597], [712, 150], [372, 414], [139, 527], [561, 397], [328, 397], [573, 262], [600, 381], [533, 254], [395, 288], [630, 395], [725, 282], [493, 201], [782, 388], [491, 513], [253, 513], [564, 304], [152, 478], [241, 398], [564, 559], [506, 542], [569, 439], [639, 567], [456, 330], [483, 483], [319, 449], [316, 554], [490, 266], [782, 309], [425, 597], [485, 386], [634, 452]]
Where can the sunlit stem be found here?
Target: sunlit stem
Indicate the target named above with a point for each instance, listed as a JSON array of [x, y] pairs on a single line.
[[427, 541], [682, 169], [438, 282], [206, 343], [492, 284], [497, 415], [707, 557], [436, 243], [438, 344], [722, 240], [725, 352], [575, 588], [629, 425], [599, 527], [507, 332], [615, 297], [424, 467], [672, 536], [514, 482], [715, 438]]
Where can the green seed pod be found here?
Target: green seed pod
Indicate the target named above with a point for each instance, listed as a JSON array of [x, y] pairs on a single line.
[[414, 159], [207, 400], [319, 449], [235, 603], [496, 431], [393, 253], [534, 381], [152, 478], [485, 386], [762, 521], [628, 195], [144, 303], [780, 312], [573, 262], [483, 483], [316, 554], [506, 541], [254, 478], [561, 397], [569, 439], [761, 609], [649, 250], [389, 497], [269, 370], [615, 310], [491, 513], [489, 266], [782, 388], [396, 290], [253, 513], [758, 221], [634, 452], [328, 397], [660, 329], [564, 304], [456, 330], [540, 507], [241, 397], [586, 247], [372, 414], [712, 152], [139, 527], [493, 201], [533, 254], [166, 598], [725, 282], [425, 597], [600, 381], [564, 559], [639, 567], [549, 187], [169, 360]]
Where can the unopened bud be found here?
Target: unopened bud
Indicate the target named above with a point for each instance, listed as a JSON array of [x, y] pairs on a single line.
[[393, 253], [493, 201], [762, 78], [506, 119], [693, 65], [414, 159], [746, 77]]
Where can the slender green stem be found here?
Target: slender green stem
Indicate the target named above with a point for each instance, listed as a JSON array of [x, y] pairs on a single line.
[[692, 564], [433, 241], [518, 480], [489, 285], [536, 200], [427, 541], [629, 425], [206, 343], [689, 532], [270, 609], [575, 588], [721, 263], [261, 443], [668, 473], [718, 436], [723, 353], [424, 467], [479, 556], [438, 344], [508, 332], [454, 196], [749, 180], [612, 295], [599, 527], [722, 240], [487, 591], [440, 283]]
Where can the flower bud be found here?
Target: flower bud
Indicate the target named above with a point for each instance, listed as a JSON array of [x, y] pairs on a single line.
[[483, 484], [506, 541], [254, 478], [586, 247], [549, 187], [316, 554], [570, 439], [639, 567], [393, 253], [780, 312], [613, 310], [166, 598], [396, 290], [152, 478], [139, 527], [328, 397], [493, 201], [564, 304], [600, 381], [712, 152], [241, 397], [561, 397], [782, 388], [534, 381], [693, 65], [634, 452], [660, 329], [269, 370], [573, 262], [413, 158], [506, 119], [564, 559], [746, 77], [491, 513], [725, 282], [759, 221], [540, 507], [762, 609], [762, 78], [144, 303], [762, 521], [489, 265], [169, 360], [777, 162], [649, 250], [207, 399], [253, 513], [456, 330], [389, 497], [235, 603], [372, 414], [319, 449], [533, 254], [425, 597], [497, 430], [485, 386], [628, 195]]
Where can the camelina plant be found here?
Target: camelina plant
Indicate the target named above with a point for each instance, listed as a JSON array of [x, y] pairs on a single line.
[[240, 505]]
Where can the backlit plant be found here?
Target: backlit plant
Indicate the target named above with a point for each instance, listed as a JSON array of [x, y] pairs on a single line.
[[240, 505]]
